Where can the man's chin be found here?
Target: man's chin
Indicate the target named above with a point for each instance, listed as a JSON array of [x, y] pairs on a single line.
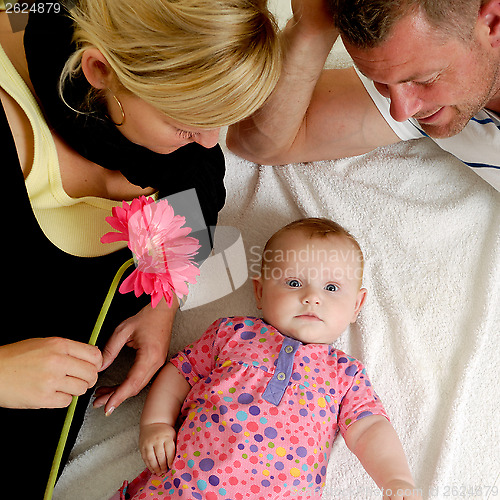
[[442, 131], [449, 128]]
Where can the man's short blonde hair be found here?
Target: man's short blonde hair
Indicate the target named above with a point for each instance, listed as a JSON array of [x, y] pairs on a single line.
[[366, 24]]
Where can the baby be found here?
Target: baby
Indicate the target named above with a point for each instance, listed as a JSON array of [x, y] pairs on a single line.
[[261, 400]]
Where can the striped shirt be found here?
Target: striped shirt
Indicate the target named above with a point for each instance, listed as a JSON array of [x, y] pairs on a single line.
[[477, 145]]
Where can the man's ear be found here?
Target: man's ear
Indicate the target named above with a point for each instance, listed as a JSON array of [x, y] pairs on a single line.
[[96, 69], [257, 290], [489, 16]]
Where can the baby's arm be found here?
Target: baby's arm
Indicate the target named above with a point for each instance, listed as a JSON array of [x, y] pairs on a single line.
[[162, 407], [375, 442]]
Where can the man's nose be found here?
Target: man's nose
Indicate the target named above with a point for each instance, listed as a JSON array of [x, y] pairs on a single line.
[[208, 138], [405, 101]]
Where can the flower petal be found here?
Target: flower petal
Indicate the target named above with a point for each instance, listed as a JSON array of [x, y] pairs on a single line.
[[128, 283], [112, 236], [162, 249]]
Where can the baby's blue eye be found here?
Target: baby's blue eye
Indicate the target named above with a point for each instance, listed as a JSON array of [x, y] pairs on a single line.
[[331, 287], [293, 283]]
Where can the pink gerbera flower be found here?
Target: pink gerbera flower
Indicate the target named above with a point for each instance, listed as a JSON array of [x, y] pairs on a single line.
[[162, 250]]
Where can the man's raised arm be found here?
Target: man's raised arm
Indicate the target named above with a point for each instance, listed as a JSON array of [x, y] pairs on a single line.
[[313, 114]]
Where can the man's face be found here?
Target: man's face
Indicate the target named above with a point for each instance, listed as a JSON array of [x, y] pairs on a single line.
[[442, 82]]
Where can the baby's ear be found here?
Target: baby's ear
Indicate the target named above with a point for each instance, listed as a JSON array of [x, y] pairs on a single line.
[[360, 300], [257, 290]]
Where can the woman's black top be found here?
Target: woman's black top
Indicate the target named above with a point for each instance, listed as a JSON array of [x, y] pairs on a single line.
[[52, 293], [48, 45]]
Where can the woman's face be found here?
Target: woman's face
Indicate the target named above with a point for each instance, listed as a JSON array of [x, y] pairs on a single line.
[[148, 127]]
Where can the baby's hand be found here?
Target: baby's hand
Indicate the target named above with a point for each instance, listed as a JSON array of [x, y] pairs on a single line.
[[401, 490], [157, 446]]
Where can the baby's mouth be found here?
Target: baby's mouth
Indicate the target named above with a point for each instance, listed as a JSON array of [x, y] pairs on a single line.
[[309, 316]]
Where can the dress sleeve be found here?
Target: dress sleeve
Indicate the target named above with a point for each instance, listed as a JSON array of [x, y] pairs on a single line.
[[360, 399], [197, 360]]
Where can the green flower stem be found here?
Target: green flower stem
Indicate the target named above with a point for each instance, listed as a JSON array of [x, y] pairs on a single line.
[[71, 409]]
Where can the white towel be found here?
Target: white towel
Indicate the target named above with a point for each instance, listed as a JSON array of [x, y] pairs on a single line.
[[428, 333]]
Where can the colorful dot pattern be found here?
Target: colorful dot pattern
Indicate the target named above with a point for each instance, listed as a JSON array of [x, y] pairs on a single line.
[[234, 445]]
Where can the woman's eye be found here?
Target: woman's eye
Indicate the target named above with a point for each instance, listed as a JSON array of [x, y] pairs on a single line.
[[293, 283], [331, 287], [185, 134]]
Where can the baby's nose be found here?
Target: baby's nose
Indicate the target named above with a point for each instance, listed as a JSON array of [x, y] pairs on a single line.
[[310, 297]]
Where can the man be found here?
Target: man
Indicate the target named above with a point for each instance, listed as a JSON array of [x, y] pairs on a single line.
[[422, 68]]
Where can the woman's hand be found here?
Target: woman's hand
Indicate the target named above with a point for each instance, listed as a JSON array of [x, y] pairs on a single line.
[[157, 446], [148, 332], [46, 372]]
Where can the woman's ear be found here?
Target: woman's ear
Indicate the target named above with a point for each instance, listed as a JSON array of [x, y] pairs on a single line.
[[257, 290], [96, 69]]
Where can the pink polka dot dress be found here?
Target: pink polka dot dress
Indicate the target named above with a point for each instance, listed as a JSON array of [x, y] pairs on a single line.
[[261, 416]]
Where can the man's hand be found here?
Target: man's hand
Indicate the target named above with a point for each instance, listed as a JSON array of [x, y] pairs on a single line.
[[149, 333], [276, 133], [313, 16], [46, 372], [157, 446]]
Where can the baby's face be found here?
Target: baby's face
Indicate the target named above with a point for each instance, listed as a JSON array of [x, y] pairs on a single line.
[[310, 287]]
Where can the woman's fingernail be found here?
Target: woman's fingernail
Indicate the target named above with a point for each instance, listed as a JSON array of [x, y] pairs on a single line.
[[110, 411]]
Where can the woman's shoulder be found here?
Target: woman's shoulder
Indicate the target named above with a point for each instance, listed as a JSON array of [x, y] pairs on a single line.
[[12, 44], [54, 26], [48, 44]]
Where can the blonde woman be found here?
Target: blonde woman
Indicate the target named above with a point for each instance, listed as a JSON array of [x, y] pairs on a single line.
[[105, 100]]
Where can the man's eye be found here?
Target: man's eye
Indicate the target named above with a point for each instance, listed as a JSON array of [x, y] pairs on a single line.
[[429, 81], [331, 287], [293, 283]]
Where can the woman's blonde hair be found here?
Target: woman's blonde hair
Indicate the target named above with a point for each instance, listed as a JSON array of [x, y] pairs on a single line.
[[203, 63]]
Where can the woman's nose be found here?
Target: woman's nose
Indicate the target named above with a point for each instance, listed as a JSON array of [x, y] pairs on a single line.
[[208, 138]]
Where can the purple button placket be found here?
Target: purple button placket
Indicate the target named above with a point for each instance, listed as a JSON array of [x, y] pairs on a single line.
[[284, 367]]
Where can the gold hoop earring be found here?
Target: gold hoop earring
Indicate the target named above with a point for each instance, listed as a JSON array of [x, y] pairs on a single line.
[[121, 110]]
